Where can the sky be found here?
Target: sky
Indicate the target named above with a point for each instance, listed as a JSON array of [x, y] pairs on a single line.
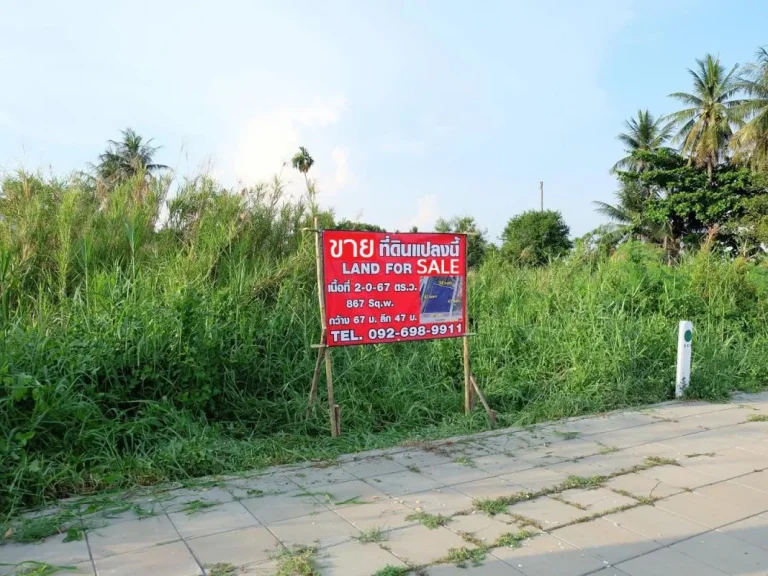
[[412, 110]]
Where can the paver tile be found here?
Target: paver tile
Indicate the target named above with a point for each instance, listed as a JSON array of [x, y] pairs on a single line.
[[614, 462], [445, 501], [129, 536], [168, 560], [321, 530], [51, 551], [355, 559], [547, 512], [576, 448], [482, 527], [666, 562], [605, 540], [580, 468], [597, 500], [489, 488], [756, 481], [420, 545], [703, 510], [546, 555], [610, 571], [421, 458], [352, 493], [703, 442], [400, 483], [722, 418], [539, 456], [685, 409], [263, 485], [314, 478], [181, 500], [536, 479], [490, 567], [497, 464], [502, 444], [221, 518], [642, 486], [664, 527], [753, 530], [467, 449], [238, 547], [756, 447], [269, 509], [727, 464], [385, 515], [730, 494], [656, 432], [368, 467], [727, 554], [454, 473], [677, 476]]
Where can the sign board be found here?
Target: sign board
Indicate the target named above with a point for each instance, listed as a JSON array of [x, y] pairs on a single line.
[[381, 287]]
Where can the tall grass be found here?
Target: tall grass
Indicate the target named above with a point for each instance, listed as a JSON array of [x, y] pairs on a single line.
[[137, 348]]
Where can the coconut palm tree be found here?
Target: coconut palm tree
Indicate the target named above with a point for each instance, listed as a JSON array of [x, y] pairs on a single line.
[[645, 132], [127, 158], [302, 162], [706, 125], [629, 214], [751, 141]]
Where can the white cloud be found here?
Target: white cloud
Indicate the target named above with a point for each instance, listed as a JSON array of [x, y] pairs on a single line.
[[427, 212], [343, 176], [268, 141]]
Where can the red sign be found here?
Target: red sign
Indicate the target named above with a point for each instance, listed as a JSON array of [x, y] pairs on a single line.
[[383, 287]]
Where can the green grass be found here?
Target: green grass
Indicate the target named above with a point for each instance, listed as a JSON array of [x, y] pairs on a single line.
[[221, 569], [757, 418], [375, 534], [513, 539], [297, 562], [33, 568], [135, 352], [196, 506], [464, 556], [431, 521], [393, 571]]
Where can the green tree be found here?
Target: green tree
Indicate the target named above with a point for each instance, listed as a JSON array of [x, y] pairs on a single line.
[[128, 158], [751, 141], [645, 132], [629, 216], [706, 125], [357, 226], [477, 241], [302, 162], [535, 237]]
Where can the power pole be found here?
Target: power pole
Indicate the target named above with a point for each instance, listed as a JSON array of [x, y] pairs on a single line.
[[541, 189]]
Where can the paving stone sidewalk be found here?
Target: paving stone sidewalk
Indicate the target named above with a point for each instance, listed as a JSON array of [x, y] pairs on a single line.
[[679, 488]]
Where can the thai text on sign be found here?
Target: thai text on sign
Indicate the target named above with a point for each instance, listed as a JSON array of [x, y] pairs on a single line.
[[381, 287]]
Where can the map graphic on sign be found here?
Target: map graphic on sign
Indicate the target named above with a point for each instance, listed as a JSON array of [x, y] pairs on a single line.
[[441, 299], [380, 287]]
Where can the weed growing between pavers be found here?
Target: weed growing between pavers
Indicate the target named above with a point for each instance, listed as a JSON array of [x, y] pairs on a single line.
[[465, 461], [512, 539], [393, 571], [32, 568], [560, 498], [331, 499], [430, 521], [221, 569], [697, 454], [375, 534], [297, 562], [462, 556], [569, 435], [757, 418], [607, 449], [196, 506]]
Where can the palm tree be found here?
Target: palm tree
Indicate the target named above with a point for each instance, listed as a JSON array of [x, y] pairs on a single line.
[[706, 125], [751, 141], [645, 132], [127, 158], [302, 162], [629, 214]]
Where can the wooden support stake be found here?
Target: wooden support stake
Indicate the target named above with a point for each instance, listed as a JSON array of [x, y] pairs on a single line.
[[324, 351], [467, 385], [491, 413]]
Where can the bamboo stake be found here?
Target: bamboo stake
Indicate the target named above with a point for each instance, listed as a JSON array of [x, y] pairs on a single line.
[[467, 385], [491, 413], [324, 351]]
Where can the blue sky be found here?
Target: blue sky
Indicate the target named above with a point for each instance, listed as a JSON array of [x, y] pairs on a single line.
[[412, 110]]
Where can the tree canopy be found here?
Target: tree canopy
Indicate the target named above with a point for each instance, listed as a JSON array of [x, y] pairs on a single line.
[[535, 237]]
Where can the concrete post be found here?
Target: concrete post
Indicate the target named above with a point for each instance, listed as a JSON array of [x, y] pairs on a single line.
[[684, 337]]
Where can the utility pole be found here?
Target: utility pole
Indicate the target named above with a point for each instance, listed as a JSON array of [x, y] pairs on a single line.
[[541, 189]]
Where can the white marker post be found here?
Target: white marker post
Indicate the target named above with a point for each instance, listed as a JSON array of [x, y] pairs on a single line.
[[684, 337]]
